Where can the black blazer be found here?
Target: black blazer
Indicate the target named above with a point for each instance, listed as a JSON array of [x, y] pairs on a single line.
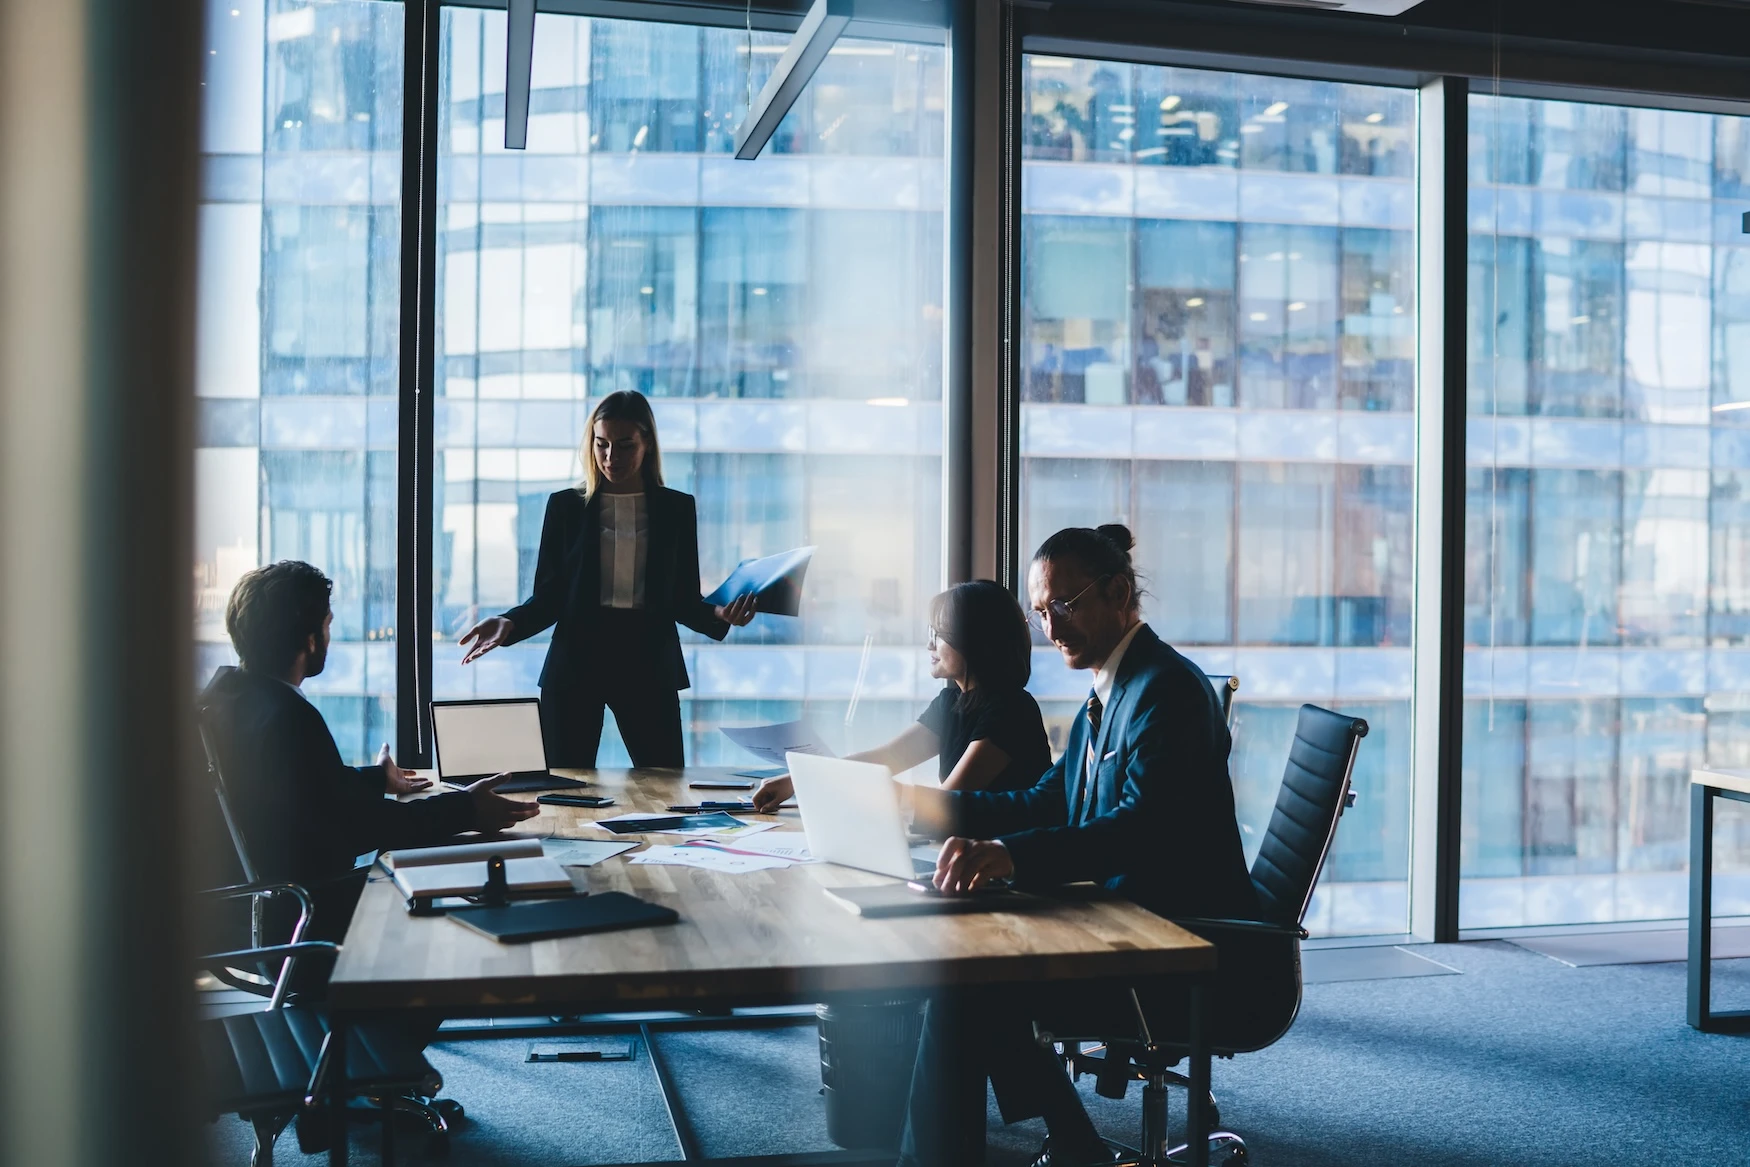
[[567, 594], [305, 814], [1160, 828]]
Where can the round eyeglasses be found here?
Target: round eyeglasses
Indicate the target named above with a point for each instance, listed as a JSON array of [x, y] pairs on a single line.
[[1060, 609]]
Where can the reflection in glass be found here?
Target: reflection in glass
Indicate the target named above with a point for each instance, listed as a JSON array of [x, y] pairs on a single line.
[[1607, 571], [788, 333], [1239, 343], [298, 332]]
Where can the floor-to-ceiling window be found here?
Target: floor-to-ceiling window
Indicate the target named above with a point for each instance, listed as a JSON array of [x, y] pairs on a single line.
[[1218, 311], [784, 316], [1607, 650], [299, 294]]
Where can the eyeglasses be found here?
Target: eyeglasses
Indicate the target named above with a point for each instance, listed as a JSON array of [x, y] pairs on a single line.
[[932, 637], [1060, 609]]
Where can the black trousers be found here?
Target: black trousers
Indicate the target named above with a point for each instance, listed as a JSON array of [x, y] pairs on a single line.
[[990, 1032], [649, 717], [624, 675]]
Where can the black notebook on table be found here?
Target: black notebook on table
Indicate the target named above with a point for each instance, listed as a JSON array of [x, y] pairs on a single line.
[[606, 911]]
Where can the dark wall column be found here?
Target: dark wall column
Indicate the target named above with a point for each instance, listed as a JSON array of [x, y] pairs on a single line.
[[99, 120]]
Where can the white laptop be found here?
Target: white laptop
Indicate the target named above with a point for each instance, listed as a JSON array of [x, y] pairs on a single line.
[[477, 739], [851, 813]]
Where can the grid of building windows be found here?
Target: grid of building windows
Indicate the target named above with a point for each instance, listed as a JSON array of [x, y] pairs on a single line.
[[1219, 313], [1609, 455]]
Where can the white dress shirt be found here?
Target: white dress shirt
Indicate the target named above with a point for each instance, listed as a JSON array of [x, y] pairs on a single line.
[[1107, 676], [625, 524]]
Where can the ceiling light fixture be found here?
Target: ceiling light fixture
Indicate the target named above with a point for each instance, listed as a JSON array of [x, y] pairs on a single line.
[[820, 29]]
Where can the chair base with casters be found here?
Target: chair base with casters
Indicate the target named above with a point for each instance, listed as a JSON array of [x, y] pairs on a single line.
[[274, 1064], [1264, 998], [271, 1067]]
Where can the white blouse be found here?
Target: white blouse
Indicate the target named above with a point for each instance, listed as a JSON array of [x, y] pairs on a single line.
[[625, 524]]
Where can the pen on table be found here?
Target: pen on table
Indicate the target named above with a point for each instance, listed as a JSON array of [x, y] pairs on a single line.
[[710, 806]]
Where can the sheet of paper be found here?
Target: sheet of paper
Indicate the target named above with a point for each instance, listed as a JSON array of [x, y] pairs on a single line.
[[776, 580], [584, 852], [770, 743], [791, 845], [708, 859], [739, 831]]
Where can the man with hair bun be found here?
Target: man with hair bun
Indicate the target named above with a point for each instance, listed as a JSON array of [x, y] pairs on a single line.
[[1140, 802]]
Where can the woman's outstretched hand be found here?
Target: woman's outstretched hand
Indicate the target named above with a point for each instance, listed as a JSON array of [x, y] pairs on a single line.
[[769, 797], [486, 635], [737, 613]]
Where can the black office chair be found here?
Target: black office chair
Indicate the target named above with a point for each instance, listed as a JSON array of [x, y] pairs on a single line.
[[1315, 791], [1225, 688], [274, 1064], [252, 972]]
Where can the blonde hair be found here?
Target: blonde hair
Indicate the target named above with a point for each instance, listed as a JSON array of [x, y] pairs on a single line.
[[626, 405]]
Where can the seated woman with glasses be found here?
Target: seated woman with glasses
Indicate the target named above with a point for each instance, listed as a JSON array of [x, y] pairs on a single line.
[[983, 727]]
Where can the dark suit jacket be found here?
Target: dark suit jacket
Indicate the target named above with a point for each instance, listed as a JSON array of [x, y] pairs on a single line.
[[1160, 829], [305, 814], [567, 593]]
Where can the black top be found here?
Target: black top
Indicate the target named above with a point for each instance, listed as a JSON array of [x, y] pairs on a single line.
[[1010, 721], [567, 591], [1155, 820]]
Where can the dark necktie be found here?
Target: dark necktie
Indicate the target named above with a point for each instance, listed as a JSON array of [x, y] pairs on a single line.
[[1084, 795]]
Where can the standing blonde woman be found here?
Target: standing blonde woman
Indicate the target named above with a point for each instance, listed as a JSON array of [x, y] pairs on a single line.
[[618, 568]]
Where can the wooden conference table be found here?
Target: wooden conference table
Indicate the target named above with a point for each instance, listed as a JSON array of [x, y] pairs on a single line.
[[759, 938]]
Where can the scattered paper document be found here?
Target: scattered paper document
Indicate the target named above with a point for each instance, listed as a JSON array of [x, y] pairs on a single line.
[[791, 845], [770, 743], [775, 581], [584, 852], [708, 859]]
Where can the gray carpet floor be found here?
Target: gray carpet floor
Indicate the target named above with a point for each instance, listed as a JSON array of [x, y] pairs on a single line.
[[1519, 1059]]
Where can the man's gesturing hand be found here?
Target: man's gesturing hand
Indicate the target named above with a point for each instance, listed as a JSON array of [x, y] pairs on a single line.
[[968, 864], [493, 811]]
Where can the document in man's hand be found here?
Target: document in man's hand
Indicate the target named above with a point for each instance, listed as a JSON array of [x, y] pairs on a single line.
[[775, 581], [461, 870], [770, 743]]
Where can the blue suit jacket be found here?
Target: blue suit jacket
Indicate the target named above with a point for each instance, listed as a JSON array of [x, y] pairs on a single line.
[[1158, 826]]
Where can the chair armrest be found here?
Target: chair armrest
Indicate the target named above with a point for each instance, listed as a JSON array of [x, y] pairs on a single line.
[[270, 952], [237, 891], [1260, 927]]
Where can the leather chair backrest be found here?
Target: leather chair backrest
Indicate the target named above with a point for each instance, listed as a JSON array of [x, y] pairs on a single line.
[[1225, 688], [1315, 786], [217, 774]]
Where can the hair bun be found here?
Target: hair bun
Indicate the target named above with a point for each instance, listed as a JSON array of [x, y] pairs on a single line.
[[1118, 535]]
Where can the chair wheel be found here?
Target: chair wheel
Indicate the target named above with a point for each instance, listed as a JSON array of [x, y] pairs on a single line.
[[452, 1110], [1236, 1158]]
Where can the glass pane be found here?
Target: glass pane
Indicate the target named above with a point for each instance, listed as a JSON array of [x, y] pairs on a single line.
[[1218, 276], [1607, 587], [784, 317], [298, 330]]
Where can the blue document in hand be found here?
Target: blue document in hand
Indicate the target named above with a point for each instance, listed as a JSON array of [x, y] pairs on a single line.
[[776, 580]]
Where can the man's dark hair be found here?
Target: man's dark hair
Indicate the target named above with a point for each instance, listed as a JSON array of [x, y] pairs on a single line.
[[1103, 552], [273, 612]]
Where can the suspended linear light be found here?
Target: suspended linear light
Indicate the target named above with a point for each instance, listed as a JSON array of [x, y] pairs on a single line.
[[519, 62], [826, 19]]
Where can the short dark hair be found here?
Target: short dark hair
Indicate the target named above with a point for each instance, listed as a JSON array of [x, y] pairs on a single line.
[[273, 611], [984, 624], [1103, 552]]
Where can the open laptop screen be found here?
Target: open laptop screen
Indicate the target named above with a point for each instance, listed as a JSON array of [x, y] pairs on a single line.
[[475, 738]]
